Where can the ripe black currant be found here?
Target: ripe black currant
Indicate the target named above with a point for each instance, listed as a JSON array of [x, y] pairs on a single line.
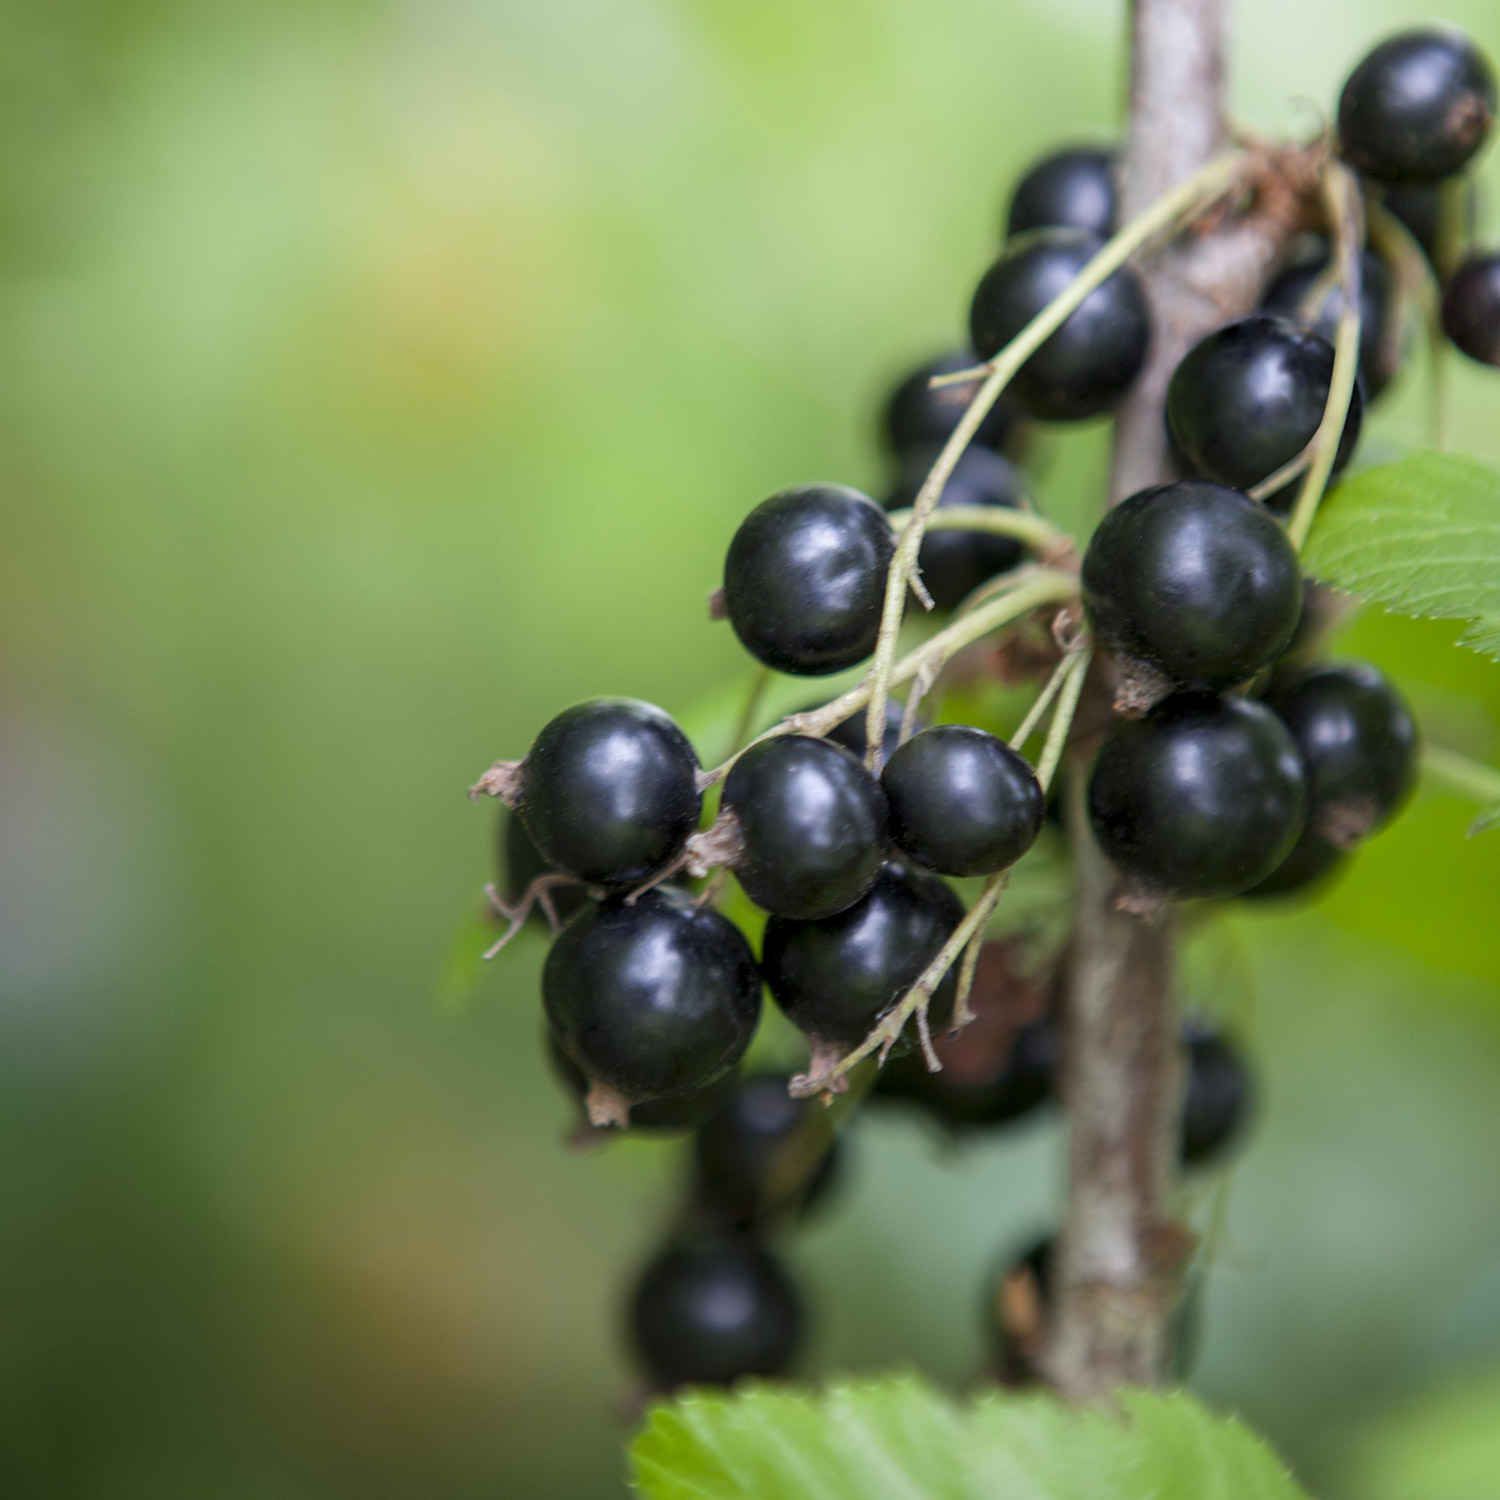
[[962, 802], [919, 415], [712, 1310], [1202, 797], [955, 563], [1248, 398], [652, 998], [1471, 308], [811, 826], [835, 979], [1418, 107], [1071, 189], [609, 792], [1195, 579], [763, 1152], [674, 1115], [521, 863], [851, 733], [1377, 357], [1312, 863], [805, 578], [1358, 745], [1090, 361], [1217, 1097]]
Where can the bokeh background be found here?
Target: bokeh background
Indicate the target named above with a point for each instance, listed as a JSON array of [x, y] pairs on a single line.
[[377, 378]]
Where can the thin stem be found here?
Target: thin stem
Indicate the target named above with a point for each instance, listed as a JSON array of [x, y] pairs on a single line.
[[1062, 720], [757, 691], [1032, 588], [1026, 526], [1043, 703], [1469, 778], [1171, 211], [1346, 213]]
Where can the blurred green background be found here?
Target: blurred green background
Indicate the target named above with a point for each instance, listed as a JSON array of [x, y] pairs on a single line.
[[377, 378]]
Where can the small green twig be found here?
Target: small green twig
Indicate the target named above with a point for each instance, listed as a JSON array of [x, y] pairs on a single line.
[[1346, 213], [1170, 212], [1043, 702], [1469, 778], [1062, 720], [1038, 533]]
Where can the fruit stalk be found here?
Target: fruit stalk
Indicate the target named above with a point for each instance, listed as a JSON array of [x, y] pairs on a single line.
[[1121, 1252]]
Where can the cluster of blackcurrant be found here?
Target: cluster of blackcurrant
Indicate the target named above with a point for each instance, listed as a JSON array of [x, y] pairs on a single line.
[[1236, 762]]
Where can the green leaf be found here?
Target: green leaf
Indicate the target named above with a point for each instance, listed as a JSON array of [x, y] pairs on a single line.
[[1420, 536], [465, 960], [898, 1439]]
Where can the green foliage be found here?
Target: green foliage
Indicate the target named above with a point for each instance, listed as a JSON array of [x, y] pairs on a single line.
[[1420, 536], [899, 1439]]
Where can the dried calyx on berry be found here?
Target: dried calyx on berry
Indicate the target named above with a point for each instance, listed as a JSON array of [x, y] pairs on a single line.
[[677, 1114]]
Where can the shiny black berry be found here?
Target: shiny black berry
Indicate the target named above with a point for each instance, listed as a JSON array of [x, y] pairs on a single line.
[[955, 563], [1089, 363], [1312, 864], [1071, 189], [1358, 745], [805, 578], [609, 791], [762, 1153], [1378, 352], [962, 802], [521, 863], [674, 1115], [1248, 398], [1471, 308], [811, 826], [851, 733], [919, 415], [652, 998], [713, 1310], [1196, 579], [834, 979], [1418, 107], [1217, 1097], [1202, 797]]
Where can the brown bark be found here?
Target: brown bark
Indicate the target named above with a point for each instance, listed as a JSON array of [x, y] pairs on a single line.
[[1121, 1252]]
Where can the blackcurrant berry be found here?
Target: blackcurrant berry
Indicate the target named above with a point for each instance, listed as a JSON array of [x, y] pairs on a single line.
[[1217, 1095], [955, 563], [835, 979], [962, 802], [609, 791], [674, 1115], [1418, 107], [851, 733], [1071, 189], [1248, 398], [811, 826], [1358, 745], [1312, 863], [712, 1310], [1202, 797], [652, 998], [1377, 306], [521, 863], [1089, 363], [1471, 308], [1196, 579], [763, 1152], [919, 415], [805, 578]]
